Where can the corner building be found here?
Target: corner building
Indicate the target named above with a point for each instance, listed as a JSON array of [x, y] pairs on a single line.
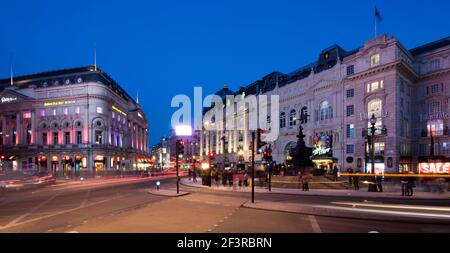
[[408, 91], [71, 122]]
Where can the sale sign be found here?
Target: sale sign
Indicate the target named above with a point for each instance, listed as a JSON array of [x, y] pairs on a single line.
[[434, 168]]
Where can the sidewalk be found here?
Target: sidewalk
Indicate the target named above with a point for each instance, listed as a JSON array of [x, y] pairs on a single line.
[[391, 192]]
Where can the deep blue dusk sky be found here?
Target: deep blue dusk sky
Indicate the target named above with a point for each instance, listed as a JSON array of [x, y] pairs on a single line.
[[163, 48]]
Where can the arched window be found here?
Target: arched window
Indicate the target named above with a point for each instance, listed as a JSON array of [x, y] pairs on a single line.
[[326, 112], [283, 120], [375, 107], [292, 118]]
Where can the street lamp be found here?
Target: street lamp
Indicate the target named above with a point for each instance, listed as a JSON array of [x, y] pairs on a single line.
[[373, 121]]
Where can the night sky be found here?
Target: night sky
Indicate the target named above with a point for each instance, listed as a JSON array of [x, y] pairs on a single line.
[[164, 48]]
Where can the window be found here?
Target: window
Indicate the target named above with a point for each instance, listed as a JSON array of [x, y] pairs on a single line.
[[111, 140], [118, 140], [350, 131], [42, 112], [435, 65], [292, 118], [66, 111], [27, 115], [379, 148], [434, 108], [113, 115], [374, 60], [435, 127], [374, 107], [402, 86], [282, 120], [350, 93], [29, 134], [66, 137], [326, 111], [434, 88], [350, 110], [44, 139], [350, 70], [77, 110], [55, 138], [99, 110], [371, 87], [98, 137], [350, 149], [79, 138], [54, 112]]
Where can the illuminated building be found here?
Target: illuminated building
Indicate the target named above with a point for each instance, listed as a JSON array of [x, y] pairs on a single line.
[[71, 121], [407, 89]]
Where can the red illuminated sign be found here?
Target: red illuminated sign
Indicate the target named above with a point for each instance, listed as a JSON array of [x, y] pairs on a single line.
[[434, 168]]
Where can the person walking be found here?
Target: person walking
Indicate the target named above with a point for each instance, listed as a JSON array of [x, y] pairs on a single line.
[[335, 173], [300, 180], [356, 181], [410, 186], [404, 183], [194, 176], [350, 171], [307, 178], [379, 183]]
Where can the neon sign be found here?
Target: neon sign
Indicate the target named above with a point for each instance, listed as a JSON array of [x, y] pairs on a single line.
[[322, 145], [434, 168], [57, 103], [8, 100], [118, 110]]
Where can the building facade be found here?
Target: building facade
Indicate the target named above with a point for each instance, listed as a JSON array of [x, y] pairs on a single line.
[[407, 91], [70, 122]]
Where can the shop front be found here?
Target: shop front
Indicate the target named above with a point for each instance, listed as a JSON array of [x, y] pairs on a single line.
[[99, 163], [54, 165]]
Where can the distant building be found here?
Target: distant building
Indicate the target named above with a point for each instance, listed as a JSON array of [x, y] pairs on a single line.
[[69, 122], [161, 153]]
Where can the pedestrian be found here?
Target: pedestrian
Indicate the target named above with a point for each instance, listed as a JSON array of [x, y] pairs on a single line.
[[335, 173], [379, 185], [194, 176], [300, 180], [350, 171], [404, 183], [306, 179], [356, 181], [410, 186]]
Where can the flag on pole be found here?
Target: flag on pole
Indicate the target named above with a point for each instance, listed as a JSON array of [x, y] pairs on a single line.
[[377, 15]]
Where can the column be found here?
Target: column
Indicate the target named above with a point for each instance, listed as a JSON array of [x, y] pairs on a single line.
[[33, 128], [201, 143], [4, 130], [132, 135], [18, 130]]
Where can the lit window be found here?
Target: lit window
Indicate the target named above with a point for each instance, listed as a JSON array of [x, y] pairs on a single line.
[[99, 110], [350, 131], [113, 115], [326, 112], [27, 115], [78, 110], [292, 118], [54, 112], [66, 111], [435, 127], [374, 107], [375, 86], [375, 60], [42, 112]]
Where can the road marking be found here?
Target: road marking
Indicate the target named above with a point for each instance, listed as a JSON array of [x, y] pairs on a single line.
[[30, 212], [411, 214], [410, 207], [374, 232], [315, 226], [73, 232], [57, 213], [85, 198]]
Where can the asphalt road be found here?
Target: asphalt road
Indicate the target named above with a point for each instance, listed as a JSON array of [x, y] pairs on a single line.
[[126, 206]]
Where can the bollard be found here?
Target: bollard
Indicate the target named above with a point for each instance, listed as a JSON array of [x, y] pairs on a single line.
[[157, 185]]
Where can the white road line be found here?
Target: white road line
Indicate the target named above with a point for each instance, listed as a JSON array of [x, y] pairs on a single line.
[[85, 198], [315, 226], [412, 207], [410, 214], [30, 212], [57, 213]]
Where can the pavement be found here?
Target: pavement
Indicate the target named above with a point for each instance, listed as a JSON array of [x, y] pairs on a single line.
[[167, 193], [390, 191]]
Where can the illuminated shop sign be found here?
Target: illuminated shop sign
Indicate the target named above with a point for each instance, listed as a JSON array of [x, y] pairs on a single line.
[[8, 99], [58, 103], [322, 145], [118, 110], [434, 168]]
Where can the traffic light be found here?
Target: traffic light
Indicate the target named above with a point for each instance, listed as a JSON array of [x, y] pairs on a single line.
[[2, 157], [180, 147], [259, 143], [265, 154], [211, 155]]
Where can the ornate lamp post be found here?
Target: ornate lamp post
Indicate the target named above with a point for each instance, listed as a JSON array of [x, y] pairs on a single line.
[[373, 121]]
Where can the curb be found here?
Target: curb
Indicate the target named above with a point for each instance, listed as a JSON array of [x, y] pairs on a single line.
[[318, 194], [166, 193], [344, 212]]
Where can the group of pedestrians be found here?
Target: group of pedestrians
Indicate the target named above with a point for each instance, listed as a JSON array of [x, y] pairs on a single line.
[[408, 185], [353, 181]]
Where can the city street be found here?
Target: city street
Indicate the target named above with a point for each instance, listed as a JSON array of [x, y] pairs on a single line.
[[126, 206]]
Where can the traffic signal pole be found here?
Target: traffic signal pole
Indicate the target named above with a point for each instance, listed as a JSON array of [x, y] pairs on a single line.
[[269, 153], [176, 164], [253, 167]]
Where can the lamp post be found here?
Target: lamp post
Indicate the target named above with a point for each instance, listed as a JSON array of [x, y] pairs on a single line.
[[373, 121]]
